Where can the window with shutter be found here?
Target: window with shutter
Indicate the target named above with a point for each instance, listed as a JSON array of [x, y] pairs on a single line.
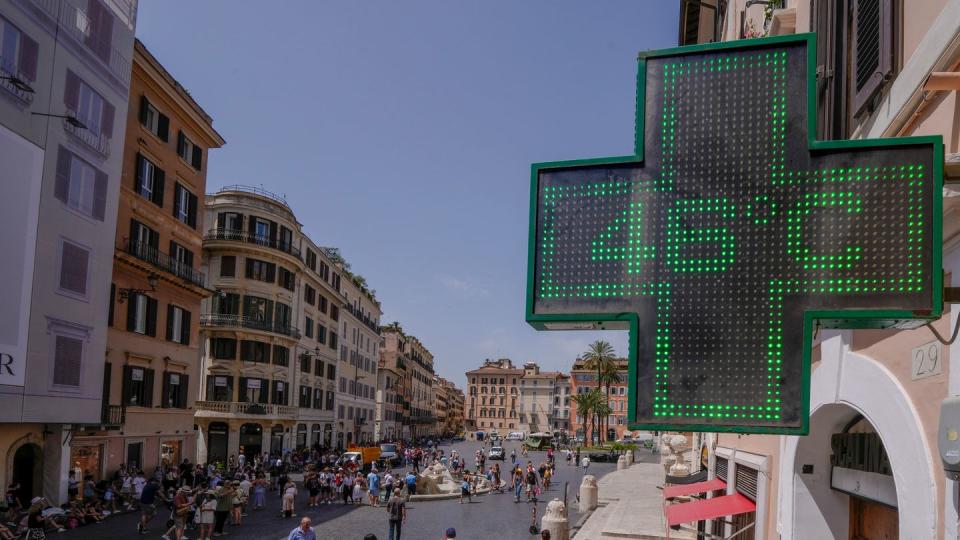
[[872, 49], [746, 481], [74, 263], [80, 186], [68, 360], [228, 266]]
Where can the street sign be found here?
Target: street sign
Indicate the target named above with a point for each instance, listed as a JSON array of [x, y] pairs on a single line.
[[731, 235]]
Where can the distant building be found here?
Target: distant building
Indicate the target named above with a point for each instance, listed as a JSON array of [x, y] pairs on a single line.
[[407, 361], [448, 407], [493, 397], [64, 84], [583, 380], [543, 402], [359, 357], [271, 332], [152, 374]]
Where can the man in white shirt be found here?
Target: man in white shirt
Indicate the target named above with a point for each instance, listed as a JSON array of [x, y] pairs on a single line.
[[138, 482]]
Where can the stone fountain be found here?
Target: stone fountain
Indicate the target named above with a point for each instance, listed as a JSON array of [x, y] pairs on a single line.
[[436, 482]]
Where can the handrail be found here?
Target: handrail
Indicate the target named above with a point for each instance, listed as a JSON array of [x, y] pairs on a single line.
[[218, 319], [257, 191], [163, 261], [252, 238]]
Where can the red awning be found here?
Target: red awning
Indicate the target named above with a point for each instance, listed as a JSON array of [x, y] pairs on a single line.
[[727, 505], [670, 492]]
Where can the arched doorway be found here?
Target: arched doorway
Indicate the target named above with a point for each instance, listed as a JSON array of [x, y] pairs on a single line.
[[327, 435], [276, 439], [340, 440], [349, 439], [810, 503], [251, 440], [315, 435], [217, 442], [27, 471]]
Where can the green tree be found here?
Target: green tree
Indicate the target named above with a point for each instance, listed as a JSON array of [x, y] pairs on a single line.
[[603, 409], [599, 356], [587, 404], [609, 376]]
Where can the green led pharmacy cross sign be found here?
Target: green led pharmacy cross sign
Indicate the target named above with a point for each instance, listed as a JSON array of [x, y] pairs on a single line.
[[731, 235]]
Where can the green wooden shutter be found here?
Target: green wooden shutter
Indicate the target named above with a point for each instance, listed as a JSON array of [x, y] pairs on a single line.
[[872, 49]]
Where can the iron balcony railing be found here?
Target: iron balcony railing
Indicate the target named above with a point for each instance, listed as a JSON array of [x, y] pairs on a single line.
[[113, 415], [8, 72], [163, 261], [365, 319], [76, 23], [99, 142], [241, 321], [252, 238]]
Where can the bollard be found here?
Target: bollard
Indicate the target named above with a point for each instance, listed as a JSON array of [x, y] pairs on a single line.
[[629, 454], [622, 463], [556, 520], [588, 493]]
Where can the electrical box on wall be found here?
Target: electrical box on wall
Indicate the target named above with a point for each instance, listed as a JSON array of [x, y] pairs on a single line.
[[948, 438]]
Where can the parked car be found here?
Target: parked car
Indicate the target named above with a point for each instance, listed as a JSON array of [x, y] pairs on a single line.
[[603, 457], [389, 455], [496, 453]]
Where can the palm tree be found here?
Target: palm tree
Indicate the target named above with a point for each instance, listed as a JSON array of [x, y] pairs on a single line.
[[599, 355], [586, 404], [609, 376], [603, 409]]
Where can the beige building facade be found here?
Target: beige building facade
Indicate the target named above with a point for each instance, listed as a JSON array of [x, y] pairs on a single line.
[[543, 402], [869, 467], [359, 359], [493, 398], [64, 85], [256, 390]]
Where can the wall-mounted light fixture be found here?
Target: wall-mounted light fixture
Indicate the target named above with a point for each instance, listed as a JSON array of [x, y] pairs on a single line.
[[72, 120], [126, 293]]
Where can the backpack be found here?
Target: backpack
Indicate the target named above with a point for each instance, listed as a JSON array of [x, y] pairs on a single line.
[[531, 477], [395, 509]]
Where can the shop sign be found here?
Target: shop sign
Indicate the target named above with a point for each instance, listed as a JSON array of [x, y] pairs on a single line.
[[732, 235]]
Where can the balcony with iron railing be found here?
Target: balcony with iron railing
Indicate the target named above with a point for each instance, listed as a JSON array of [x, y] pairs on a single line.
[[253, 323], [98, 142], [113, 415], [244, 408], [363, 318], [163, 261], [76, 23], [13, 82], [237, 235]]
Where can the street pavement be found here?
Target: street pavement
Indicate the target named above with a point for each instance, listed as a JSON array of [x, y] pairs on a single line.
[[491, 516]]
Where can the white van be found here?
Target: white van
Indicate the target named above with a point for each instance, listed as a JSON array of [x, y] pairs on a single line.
[[515, 436]]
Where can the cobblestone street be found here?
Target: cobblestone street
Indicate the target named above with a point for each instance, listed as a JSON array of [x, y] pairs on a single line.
[[492, 516]]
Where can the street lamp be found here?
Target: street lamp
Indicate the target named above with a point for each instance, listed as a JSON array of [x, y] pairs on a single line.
[[72, 120], [126, 293], [18, 83]]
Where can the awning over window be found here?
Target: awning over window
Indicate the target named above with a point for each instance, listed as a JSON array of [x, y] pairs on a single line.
[[727, 505], [670, 492]]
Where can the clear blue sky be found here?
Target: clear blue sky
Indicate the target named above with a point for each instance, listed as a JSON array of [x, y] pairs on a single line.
[[403, 132]]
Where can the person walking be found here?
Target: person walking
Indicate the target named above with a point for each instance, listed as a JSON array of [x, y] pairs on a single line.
[[532, 483], [224, 497], [373, 488], [206, 511], [260, 492], [148, 504], [465, 488], [411, 481], [397, 510], [517, 478], [289, 497], [304, 531]]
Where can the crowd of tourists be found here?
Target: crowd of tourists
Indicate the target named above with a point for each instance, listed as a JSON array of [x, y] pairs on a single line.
[[208, 500]]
